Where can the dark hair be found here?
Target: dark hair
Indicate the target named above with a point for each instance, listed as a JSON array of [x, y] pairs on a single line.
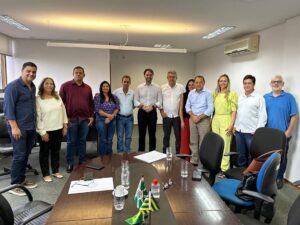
[[148, 69], [199, 76], [78, 68], [247, 77], [31, 64], [187, 86], [187, 91], [110, 95], [41, 88]]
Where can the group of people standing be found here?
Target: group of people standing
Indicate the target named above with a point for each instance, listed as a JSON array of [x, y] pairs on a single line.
[[187, 110], [240, 116]]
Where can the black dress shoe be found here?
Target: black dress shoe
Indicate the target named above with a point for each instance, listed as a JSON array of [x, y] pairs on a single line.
[[279, 183], [69, 168]]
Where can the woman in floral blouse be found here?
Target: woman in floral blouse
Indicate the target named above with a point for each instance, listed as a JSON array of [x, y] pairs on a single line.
[[106, 108]]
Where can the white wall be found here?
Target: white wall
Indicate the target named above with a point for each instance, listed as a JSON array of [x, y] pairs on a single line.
[[58, 63], [134, 64], [278, 54], [5, 44]]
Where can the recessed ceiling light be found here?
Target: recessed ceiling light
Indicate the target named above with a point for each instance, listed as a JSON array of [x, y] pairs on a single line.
[[218, 32], [12, 22]]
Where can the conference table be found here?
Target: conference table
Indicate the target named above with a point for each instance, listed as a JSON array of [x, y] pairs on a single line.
[[190, 202]]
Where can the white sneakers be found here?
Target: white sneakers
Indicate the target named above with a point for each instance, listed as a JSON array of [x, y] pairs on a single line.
[[19, 191]]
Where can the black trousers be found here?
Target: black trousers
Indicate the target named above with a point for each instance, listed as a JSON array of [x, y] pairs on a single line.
[[52, 147], [168, 123], [147, 120]]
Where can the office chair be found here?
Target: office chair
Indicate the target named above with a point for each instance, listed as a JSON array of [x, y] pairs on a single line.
[[264, 197], [6, 148], [293, 216], [210, 155], [264, 140], [32, 212]]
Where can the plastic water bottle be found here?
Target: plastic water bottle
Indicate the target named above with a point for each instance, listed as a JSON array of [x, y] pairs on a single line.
[[155, 188], [125, 175]]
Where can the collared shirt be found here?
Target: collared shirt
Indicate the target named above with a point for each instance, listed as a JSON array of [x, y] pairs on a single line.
[[251, 113], [19, 104], [280, 109], [51, 114], [200, 102], [77, 99], [107, 107], [126, 101], [148, 95], [171, 99]]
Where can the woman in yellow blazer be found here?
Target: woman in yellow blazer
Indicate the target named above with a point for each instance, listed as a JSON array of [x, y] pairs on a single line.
[[225, 104]]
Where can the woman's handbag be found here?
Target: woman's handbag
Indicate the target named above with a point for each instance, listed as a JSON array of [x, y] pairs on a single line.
[[248, 183]]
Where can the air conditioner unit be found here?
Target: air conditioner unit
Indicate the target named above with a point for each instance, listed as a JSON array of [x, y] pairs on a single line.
[[244, 45]]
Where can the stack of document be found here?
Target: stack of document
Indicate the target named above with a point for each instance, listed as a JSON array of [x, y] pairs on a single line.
[[151, 157]]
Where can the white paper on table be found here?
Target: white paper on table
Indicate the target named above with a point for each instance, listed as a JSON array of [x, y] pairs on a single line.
[[151, 157], [100, 184]]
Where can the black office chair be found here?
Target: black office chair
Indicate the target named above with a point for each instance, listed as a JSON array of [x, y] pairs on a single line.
[[32, 212], [210, 155], [264, 196], [293, 216], [6, 149], [264, 140]]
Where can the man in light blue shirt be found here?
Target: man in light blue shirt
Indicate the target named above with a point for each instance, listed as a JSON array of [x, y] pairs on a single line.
[[125, 116], [199, 106], [283, 115]]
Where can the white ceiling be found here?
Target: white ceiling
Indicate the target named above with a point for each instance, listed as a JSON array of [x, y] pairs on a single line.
[[180, 23]]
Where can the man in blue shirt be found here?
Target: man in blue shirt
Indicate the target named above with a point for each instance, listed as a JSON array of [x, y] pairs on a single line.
[[283, 115], [125, 116], [20, 114], [199, 106]]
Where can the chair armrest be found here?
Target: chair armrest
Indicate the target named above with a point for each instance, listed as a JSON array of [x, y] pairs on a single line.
[[259, 195], [183, 155], [29, 196], [231, 154], [35, 215], [203, 170]]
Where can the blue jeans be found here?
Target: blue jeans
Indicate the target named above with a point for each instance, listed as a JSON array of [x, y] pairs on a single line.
[[283, 162], [106, 134], [76, 140], [243, 142], [124, 127], [21, 150]]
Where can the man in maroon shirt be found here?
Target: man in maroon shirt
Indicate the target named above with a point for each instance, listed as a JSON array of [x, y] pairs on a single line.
[[78, 99]]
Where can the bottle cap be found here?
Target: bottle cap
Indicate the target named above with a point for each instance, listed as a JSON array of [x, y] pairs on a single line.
[[155, 181]]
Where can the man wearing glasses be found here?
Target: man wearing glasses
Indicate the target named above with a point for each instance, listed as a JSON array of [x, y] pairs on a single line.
[[283, 115]]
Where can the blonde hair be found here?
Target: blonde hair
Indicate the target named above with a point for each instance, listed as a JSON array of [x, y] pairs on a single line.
[[218, 89]]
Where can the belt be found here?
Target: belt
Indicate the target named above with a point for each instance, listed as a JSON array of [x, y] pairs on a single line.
[[125, 116]]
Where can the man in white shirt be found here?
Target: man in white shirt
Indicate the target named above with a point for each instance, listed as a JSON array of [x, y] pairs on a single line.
[[125, 116], [147, 98], [171, 111], [251, 114]]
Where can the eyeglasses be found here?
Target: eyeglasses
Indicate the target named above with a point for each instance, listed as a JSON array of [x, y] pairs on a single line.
[[168, 184], [276, 82]]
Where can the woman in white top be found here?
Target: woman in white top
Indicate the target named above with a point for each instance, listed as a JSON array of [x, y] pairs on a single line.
[[52, 124]]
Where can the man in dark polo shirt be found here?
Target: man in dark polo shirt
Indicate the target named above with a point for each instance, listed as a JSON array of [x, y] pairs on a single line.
[[20, 114], [78, 99]]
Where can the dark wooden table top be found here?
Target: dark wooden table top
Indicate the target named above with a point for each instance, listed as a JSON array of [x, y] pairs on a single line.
[[192, 202]]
